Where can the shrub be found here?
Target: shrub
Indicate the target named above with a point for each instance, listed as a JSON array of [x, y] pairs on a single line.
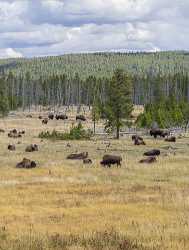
[[76, 133], [166, 113]]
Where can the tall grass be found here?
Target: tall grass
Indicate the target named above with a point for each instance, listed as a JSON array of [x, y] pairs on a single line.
[[111, 240]]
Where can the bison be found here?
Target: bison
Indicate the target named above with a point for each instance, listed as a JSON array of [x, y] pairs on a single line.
[[87, 161], [80, 117], [40, 117], [28, 116], [159, 132], [138, 140], [26, 163], [61, 117], [109, 160], [2, 130], [153, 152], [78, 156], [31, 148], [51, 116], [15, 134], [45, 121], [148, 160], [11, 147], [171, 139]]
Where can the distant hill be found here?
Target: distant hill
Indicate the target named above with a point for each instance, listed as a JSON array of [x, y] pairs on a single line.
[[99, 64]]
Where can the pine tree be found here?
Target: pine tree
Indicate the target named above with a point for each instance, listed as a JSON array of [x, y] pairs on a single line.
[[118, 106], [4, 103]]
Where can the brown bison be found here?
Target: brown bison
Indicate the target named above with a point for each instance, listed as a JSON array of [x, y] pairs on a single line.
[[78, 156], [61, 117], [109, 160], [14, 134], [31, 148], [153, 152], [51, 116], [45, 121], [138, 140], [2, 130], [40, 117], [11, 147], [87, 161], [159, 132], [148, 160], [28, 116], [80, 117], [171, 139], [26, 163]]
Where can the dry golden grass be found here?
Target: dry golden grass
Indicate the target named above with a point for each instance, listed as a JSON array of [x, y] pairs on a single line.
[[147, 204]]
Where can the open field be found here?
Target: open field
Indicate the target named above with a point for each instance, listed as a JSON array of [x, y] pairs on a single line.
[[64, 204]]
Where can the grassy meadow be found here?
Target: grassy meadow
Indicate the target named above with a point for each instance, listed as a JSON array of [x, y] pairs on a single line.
[[64, 204]]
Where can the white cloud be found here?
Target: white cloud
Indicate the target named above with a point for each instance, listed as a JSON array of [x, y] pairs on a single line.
[[46, 27], [9, 53]]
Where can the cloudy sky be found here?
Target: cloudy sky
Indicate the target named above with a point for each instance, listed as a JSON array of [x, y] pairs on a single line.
[[55, 27]]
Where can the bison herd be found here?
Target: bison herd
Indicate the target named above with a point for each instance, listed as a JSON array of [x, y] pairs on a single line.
[[52, 116], [107, 160]]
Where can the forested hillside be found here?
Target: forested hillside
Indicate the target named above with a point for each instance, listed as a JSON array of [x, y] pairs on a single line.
[[75, 79]]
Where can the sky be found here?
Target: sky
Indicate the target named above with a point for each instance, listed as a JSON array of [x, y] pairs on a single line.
[[31, 28]]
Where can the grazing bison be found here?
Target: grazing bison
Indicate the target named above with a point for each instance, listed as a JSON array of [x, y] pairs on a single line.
[[87, 161], [109, 160], [40, 117], [153, 152], [51, 116], [78, 156], [32, 148], [26, 163], [2, 130], [80, 117], [171, 139], [159, 132], [28, 116], [61, 117], [45, 121], [148, 160], [11, 147]]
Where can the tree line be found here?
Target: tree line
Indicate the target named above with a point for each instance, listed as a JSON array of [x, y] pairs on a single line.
[[58, 90]]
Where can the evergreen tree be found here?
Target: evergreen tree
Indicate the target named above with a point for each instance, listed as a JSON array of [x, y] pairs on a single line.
[[118, 106], [4, 104]]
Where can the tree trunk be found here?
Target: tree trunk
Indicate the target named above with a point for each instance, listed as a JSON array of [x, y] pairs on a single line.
[[117, 132]]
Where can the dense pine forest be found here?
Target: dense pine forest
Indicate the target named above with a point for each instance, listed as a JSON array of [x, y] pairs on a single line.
[[77, 79]]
